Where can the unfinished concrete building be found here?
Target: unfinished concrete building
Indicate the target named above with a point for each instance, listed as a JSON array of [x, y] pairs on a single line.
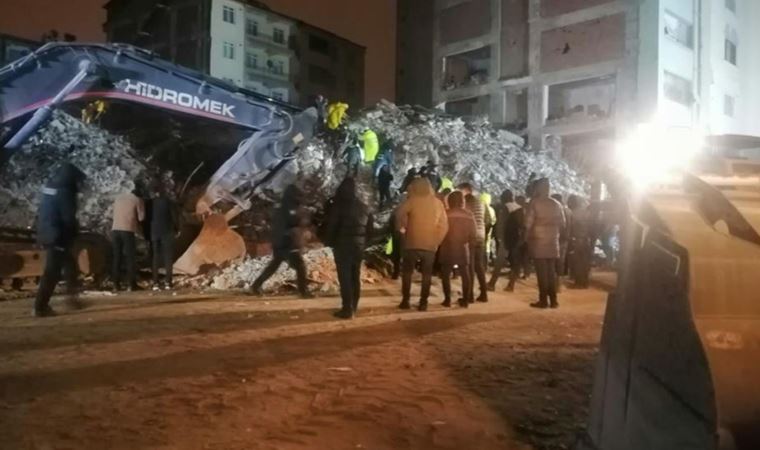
[[575, 74]]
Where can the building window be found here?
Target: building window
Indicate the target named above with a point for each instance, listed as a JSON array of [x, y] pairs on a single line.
[[229, 50], [251, 60], [728, 105], [729, 47], [278, 35], [679, 30], [277, 67], [678, 89], [731, 5], [252, 27], [228, 14], [319, 45]]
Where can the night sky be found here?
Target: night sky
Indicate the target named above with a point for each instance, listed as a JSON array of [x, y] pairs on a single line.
[[371, 23]]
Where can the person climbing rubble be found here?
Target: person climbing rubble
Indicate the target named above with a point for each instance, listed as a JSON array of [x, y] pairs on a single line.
[[430, 171], [128, 212], [370, 145], [289, 224], [336, 113], [478, 251], [348, 227], [163, 227], [57, 228], [352, 155], [455, 249], [544, 221], [421, 220], [505, 207]]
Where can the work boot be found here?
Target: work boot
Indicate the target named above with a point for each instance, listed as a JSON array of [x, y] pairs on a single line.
[[553, 303], [422, 306], [510, 287], [404, 305], [44, 312], [541, 304], [463, 303], [446, 303], [483, 298], [344, 314]]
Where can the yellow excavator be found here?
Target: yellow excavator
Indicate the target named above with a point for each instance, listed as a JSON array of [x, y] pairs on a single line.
[[679, 360]]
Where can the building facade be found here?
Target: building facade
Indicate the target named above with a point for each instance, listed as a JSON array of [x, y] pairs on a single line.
[[576, 74], [246, 44], [13, 48]]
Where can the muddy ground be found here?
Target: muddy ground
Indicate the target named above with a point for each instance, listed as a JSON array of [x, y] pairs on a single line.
[[222, 371]]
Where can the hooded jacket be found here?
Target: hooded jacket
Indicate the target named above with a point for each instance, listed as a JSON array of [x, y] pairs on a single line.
[[348, 223], [335, 114], [460, 238], [289, 223], [56, 221], [423, 217], [544, 221], [371, 146]]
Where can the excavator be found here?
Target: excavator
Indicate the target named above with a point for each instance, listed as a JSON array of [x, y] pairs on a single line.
[[679, 359], [32, 87]]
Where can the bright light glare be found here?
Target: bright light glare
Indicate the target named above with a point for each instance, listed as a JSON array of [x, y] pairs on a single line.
[[654, 152]]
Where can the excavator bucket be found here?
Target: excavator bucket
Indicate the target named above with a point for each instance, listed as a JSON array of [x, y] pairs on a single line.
[[216, 244], [679, 359]]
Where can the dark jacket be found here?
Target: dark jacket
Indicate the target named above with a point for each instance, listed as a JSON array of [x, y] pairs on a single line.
[[289, 223], [162, 217], [348, 224], [514, 228], [455, 248], [57, 221], [544, 222]]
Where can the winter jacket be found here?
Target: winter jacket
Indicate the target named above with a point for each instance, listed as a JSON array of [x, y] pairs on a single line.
[[336, 112], [128, 211], [478, 212], [423, 218], [455, 248], [348, 224], [371, 146], [57, 221], [162, 217], [544, 221], [514, 228], [289, 223]]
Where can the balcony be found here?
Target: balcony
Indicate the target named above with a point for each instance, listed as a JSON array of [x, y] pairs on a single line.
[[272, 73], [279, 46]]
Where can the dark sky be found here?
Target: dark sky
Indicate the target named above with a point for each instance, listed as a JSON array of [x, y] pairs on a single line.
[[371, 23]]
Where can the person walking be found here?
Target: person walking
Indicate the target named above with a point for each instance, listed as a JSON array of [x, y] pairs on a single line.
[[56, 230], [478, 250], [421, 221], [544, 220], [163, 227], [128, 212], [347, 228], [505, 207], [455, 249], [289, 224]]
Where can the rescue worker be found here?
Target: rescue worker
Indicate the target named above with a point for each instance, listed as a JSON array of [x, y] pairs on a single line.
[[455, 249], [128, 212], [580, 249], [430, 171], [163, 227], [421, 220], [370, 144], [544, 221], [289, 224], [446, 183], [505, 207], [348, 226], [320, 102], [56, 230], [384, 180], [478, 250], [336, 113], [352, 155]]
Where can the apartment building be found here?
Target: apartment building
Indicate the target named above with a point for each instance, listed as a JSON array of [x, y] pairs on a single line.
[[576, 74], [245, 43], [13, 48]]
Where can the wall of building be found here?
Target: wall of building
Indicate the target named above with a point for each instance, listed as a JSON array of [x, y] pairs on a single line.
[[414, 52], [227, 35]]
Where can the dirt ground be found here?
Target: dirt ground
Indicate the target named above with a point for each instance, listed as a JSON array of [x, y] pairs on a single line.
[[194, 371]]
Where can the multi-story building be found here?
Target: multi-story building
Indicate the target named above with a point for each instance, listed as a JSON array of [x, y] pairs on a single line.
[[245, 43], [13, 48], [582, 72]]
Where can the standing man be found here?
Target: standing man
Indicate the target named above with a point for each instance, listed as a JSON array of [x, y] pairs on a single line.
[[421, 220], [384, 180], [505, 207], [581, 243], [163, 227], [544, 221], [288, 240], [455, 249], [514, 239], [56, 229], [128, 212], [564, 240], [347, 228], [478, 251]]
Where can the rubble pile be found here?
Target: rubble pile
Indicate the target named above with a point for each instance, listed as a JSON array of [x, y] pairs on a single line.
[[108, 161], [320, 267]]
